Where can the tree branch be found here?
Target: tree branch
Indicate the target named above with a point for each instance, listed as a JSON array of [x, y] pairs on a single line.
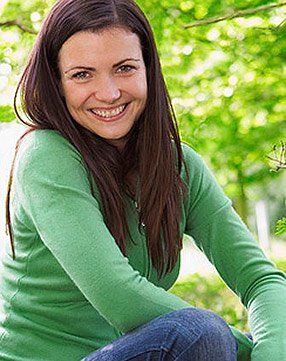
[[19, 25], [235, 14]]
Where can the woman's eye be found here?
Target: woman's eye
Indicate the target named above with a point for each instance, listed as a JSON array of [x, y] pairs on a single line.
[[81, 75], [126, 68]]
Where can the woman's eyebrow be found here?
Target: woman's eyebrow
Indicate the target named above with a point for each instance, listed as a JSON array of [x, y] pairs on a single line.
[[123, 61], [93, 69]]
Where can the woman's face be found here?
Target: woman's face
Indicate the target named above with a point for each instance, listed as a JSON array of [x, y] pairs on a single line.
[[103, 80]]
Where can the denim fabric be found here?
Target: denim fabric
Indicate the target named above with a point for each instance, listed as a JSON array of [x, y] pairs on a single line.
[[190, 334]]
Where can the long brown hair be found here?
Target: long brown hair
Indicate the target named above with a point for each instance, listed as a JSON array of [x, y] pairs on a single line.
[[153, 148]]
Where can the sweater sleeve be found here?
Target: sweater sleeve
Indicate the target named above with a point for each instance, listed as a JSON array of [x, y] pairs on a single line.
[[223, 237], [52, 186]]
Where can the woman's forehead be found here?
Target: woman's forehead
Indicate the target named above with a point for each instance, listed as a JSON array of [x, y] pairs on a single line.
[[108, 46]]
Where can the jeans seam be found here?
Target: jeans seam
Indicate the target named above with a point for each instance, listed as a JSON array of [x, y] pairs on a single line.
[[183, 331], [151, 350], [187, 349]]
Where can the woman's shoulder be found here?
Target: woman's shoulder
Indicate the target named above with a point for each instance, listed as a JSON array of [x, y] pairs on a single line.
[[193, 160], [47, 144], [43, 149], [45, 140]]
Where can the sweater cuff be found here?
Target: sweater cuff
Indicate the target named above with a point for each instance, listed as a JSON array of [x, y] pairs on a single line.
[[244, 345]]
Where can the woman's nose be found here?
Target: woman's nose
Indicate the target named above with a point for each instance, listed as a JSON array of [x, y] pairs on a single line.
[[107, 91]]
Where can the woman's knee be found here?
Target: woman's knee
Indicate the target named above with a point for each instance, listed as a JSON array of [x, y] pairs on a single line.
[[206, 325], [204, 334], [191, 333]]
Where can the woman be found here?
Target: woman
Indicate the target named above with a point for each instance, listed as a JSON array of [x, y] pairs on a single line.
[[102, 193]]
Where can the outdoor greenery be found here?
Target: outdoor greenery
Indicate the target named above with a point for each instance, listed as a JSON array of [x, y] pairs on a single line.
[[227, 84], [278, 159], [211, 293], [281, 226], [224, 78]]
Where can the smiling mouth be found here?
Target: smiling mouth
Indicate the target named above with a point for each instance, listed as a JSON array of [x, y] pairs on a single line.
[[109, 114]]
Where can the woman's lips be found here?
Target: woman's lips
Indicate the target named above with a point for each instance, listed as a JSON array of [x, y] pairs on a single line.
[[110, 118]]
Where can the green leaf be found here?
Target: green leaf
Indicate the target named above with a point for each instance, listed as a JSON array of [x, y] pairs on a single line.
[[6, 114], [281, 226]]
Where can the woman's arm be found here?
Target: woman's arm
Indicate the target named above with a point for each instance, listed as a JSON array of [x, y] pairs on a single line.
[[229, 245], [53, 188]]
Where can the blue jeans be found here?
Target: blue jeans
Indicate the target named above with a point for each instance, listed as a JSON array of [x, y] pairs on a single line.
[[191, 334]]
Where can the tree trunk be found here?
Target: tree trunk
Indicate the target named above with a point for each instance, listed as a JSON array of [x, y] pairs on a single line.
[[241, 201]]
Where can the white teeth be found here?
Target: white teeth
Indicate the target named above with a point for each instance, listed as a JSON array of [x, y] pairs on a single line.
[[109, 114]]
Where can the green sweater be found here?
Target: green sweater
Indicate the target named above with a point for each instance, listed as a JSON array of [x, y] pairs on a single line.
[[70, 289]]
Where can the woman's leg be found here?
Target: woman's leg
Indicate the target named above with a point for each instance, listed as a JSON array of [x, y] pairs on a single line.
[[191, 334]]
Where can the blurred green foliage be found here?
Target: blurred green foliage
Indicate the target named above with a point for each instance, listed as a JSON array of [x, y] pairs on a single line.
[[6, 113], [225, 80], [212, 293], [281, 227]]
